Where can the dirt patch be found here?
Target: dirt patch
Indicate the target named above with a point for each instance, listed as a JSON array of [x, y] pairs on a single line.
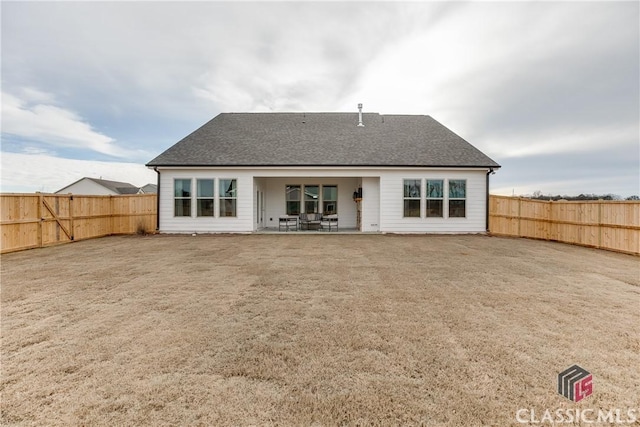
[[312, 330]]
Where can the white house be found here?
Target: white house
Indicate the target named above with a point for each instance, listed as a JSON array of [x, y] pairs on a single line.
[[149, 189], [241, 172], [99, 187]]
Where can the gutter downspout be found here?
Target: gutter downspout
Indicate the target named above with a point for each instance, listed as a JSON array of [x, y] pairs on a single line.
[[490, 172], [158, 201]]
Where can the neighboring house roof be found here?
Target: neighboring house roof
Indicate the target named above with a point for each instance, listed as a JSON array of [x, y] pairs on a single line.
[[323, 139], [149, 189], [115, 186]]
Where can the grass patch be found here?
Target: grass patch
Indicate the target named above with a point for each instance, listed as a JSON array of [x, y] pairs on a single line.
[[312, 330]]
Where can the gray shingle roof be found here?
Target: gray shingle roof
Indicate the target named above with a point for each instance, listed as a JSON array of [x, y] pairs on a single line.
[[322, 139], [116, 186], [149, 189]]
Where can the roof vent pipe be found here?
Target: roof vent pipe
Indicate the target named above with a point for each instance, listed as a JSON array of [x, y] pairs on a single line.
[[360, 115]]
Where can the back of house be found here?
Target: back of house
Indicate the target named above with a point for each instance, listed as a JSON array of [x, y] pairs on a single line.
[[241, 172]]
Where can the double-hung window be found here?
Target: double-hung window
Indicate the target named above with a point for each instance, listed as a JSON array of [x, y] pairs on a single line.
[[228, 195], [412, 198], [292, 199], [435, 197], [204, 204], [311, 198], [457, 198], [182, 197], [329, 200]]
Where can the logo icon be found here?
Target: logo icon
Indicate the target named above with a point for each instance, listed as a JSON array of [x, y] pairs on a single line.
[[575, 383]]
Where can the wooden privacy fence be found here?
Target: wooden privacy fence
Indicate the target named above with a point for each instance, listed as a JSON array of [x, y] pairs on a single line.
[[37, 220], [613, 225]]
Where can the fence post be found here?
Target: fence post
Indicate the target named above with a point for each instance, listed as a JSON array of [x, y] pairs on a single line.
[[519, 215], [40, 202], [110, 215], [553, 232], [71, 229]]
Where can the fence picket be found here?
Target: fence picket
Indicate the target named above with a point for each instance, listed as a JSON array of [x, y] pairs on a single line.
[[605, 224], [35, 220]]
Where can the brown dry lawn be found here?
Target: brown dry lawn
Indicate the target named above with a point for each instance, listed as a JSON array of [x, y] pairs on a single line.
[[312, 330]]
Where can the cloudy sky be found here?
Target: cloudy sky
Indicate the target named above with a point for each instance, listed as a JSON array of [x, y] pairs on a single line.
[[550, 90]]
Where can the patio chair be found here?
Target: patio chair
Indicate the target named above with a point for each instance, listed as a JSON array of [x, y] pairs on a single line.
[[288, 223], [330, 222]]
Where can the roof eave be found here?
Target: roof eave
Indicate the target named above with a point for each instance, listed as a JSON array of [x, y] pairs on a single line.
[[262, 165]]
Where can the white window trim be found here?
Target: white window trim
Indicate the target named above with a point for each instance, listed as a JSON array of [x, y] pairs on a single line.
[[205, 198], [218, 198], [419, 198], [300, 188], [304, 200], [321, 197], [427, 198], [173, 189], [457, 218]]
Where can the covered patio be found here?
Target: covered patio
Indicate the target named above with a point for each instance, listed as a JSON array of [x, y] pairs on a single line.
[[307, 204]]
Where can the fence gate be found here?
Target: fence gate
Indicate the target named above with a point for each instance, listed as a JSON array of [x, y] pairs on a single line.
[[38, 219]]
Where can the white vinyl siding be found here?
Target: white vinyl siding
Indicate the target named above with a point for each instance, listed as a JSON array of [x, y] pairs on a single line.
[[242, 222], [392, 203], [382, 203]]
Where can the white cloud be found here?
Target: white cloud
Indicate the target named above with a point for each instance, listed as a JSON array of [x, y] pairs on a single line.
[[29, 118], [515, 79], [37, 150], [294, 58], [556, 141], [26, 173]]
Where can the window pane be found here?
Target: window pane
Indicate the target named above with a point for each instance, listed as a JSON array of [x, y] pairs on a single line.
[[205, 207], [434, 208], [292, 192], [311, 192], [227, 207], [412, 188], [205, 188], [228, 188], [311, 206], [182, 207], [329, 208], [330, 192], [456, 209], [412, 208], [434, 188], [293, 208], [457, 188], [329, 200], [182, 188]]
